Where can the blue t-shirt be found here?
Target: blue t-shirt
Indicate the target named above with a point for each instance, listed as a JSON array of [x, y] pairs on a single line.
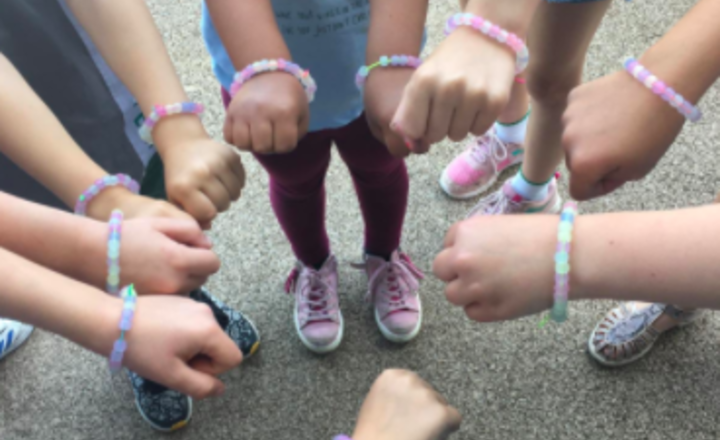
[[328, 37]]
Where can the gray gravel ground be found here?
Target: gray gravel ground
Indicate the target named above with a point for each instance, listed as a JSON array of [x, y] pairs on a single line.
[[511, 380]]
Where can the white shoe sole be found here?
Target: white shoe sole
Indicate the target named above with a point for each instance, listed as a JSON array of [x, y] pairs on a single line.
[[324, 349], [445, 185], [400, 339]]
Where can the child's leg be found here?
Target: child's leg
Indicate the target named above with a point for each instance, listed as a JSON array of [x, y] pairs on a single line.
[[381, 182], [559, 39], [297, 194]]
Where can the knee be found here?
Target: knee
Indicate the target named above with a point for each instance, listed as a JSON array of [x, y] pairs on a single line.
[[551, 87]]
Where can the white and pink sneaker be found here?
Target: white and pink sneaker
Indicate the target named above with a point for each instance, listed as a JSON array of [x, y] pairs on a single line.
[[476, 169], [393, 289], [318, 319]]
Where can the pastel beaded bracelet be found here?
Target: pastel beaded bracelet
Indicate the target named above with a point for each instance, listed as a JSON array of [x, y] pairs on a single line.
[[113, 252], [653, 83], [486, 27], [280, 65], [120, 346], [559, 310], [161, 111], [386, 61], [342, 437], [101, 184]]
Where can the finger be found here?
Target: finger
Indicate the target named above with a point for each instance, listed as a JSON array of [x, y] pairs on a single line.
[[465, 117], [201, 262], [186, 232], [396, 145], [228, 131], [261, 134], [231, 181], [453, 420], [443, 266], [222, 352], [196, 384], [218, 194], [484, 119], [239, 170], [193, 282], [411, 117], [459, 294], [198, 205], [286, 136], [441, 114], [479, 313], [585, 185], [241, 136], [451, 235]]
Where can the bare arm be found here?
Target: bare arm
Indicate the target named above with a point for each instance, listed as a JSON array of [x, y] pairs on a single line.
[[248, 30], [669, 256], [126, 36], [396, 27]]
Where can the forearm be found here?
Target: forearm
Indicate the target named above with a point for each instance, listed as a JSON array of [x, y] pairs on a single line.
[[40, 297], [248, 30], [688, 57], [396, 28], [512, 15], [34, 139], [50, 238], [669, 257], [126, 36]]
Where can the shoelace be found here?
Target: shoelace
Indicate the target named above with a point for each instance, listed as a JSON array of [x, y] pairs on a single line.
[[314, 292], [496, 203], [400, 276], [489, 145]]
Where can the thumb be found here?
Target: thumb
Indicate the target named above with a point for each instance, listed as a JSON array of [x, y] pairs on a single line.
[[194, 383], [187, 232], [396, 145]]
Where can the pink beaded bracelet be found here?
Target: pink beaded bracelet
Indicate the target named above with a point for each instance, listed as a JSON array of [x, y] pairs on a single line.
[[113, 252], [486, 27], [161, 111], [101, 184], [281, 65], [653, 83], [386, 61], [120, 346]]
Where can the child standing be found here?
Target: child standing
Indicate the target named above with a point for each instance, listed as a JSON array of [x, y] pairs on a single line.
[[271, 116]]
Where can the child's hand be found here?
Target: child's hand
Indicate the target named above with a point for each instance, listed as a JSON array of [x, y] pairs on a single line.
[[383, 91], [615, 131], [499, 267], [202, 176], [460, 89], [269, 114], [402, 406], [178, 343], [166, 256]]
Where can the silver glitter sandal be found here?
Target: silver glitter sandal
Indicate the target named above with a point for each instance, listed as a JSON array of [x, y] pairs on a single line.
[[626, 333]]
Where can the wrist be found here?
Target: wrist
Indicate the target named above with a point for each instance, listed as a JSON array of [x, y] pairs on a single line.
[[177, 128], [102, 205], [513, 16], [92, 247]]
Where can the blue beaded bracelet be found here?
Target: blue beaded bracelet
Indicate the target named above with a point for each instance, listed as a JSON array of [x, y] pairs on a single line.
[[130, 300], [386, 61], [113, 252]]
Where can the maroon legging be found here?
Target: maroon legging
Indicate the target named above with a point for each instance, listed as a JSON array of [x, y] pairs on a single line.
[[297, 190]]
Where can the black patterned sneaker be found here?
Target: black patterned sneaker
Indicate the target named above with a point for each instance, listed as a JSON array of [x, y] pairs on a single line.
[[164, 409], [167, 410], [240, 329]]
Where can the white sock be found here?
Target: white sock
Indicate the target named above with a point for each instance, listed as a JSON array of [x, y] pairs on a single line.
[[513, 133], [528, 190]]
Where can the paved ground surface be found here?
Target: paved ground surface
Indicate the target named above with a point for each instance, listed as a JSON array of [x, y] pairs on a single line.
[[510, 380]]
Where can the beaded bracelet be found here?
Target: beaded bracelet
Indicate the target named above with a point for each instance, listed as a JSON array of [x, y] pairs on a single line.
[[120, 346], [281, 65], [113, 252], [653, 83], [160, 111], [386, 61], [486, 27], [559, 310], [342, 437], [101, 184]]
